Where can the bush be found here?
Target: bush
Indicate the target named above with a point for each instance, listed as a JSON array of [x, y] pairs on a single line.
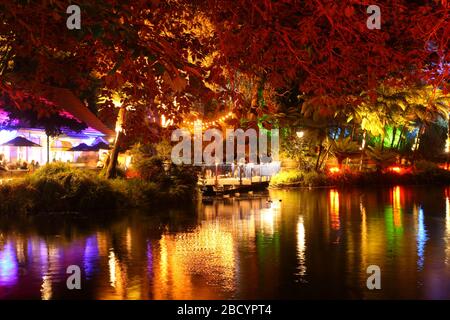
[[17, 198], [136, 192], [58, 188], [287, 178], [151, 169], [424, 165], [428, 174], [316, 179]]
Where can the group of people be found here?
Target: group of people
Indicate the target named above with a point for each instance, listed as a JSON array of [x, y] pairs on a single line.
[[20, 165], [33, 165]]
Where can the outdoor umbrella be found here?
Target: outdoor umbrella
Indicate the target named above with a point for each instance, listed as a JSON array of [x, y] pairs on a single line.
[[81, 147], [99, 145], [20, 142]]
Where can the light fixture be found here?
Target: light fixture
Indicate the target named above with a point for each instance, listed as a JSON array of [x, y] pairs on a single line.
[[300, 134]]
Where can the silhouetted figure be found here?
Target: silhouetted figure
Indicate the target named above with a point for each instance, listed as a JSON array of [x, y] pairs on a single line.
[[24, 165]]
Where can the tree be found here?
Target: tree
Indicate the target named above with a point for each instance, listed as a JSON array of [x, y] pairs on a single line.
[[149, 51], [344, 148], [326, 47], [166, 56], [382, 158], [53, 124]]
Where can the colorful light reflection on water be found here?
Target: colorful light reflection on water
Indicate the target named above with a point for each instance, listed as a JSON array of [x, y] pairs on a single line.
[[8, 265], [312, 244]]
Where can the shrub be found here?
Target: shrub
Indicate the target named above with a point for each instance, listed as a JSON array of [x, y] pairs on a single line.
[[382, 158], [287, 178], [424, 165], [136, 192], [151, 169], [316, 179], [298, 178], [17, 198], [58, 188]]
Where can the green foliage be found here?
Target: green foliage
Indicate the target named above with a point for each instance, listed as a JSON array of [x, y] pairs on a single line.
[[299, 178], [426, 173], [392, 137], [293, 148], [59, 188], [152, 163], [382, 158], [424, 165], [432, 142], [300, 149], [140, 151], [137, 192], [287, 178], [151, 169], [17, 198], [313, 179], [344, 148], [164, 149]]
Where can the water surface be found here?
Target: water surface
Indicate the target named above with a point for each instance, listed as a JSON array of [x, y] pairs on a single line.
[[311, 244]]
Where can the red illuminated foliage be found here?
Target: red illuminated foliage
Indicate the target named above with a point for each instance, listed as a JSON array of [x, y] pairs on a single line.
[[154, 51]]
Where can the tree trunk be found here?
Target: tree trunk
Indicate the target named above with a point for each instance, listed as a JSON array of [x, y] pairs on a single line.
[[111, 169], [318, 157], [257, 92], [325, 157], [400, 138], [48, 149], [363, 146], [419, 137], [353, 131], [394, 132]]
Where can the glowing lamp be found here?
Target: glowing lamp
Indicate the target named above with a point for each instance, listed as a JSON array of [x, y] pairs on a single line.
[[334, 169], [300, 134], [395, 169]]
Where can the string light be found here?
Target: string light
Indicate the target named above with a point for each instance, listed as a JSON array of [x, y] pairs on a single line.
[[208, 124]]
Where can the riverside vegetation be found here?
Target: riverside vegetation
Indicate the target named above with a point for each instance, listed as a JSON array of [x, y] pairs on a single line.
[[59, 188], [424, 172]]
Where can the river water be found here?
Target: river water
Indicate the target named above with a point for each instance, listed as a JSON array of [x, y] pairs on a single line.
[[296, 244]]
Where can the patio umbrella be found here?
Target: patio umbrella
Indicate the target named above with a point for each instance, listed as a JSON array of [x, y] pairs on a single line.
[[99, 145], [81, 147], [20, 142]]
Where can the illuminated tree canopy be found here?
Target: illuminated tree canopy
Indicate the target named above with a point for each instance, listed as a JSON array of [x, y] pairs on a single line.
[[165, 57]]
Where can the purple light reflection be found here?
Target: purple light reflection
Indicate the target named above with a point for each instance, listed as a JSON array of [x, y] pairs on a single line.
[[8, 265]]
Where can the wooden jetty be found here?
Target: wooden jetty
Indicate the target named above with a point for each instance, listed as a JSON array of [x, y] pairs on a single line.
[[225, 185]]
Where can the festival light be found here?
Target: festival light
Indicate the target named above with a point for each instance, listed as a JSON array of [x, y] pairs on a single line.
[[334, 170], [395, 169], [207, 124]]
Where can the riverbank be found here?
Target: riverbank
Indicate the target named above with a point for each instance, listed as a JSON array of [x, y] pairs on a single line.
[[58, 188], [297, 178]]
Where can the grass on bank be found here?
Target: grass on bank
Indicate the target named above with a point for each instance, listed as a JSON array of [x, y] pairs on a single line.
[[59, 188]]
